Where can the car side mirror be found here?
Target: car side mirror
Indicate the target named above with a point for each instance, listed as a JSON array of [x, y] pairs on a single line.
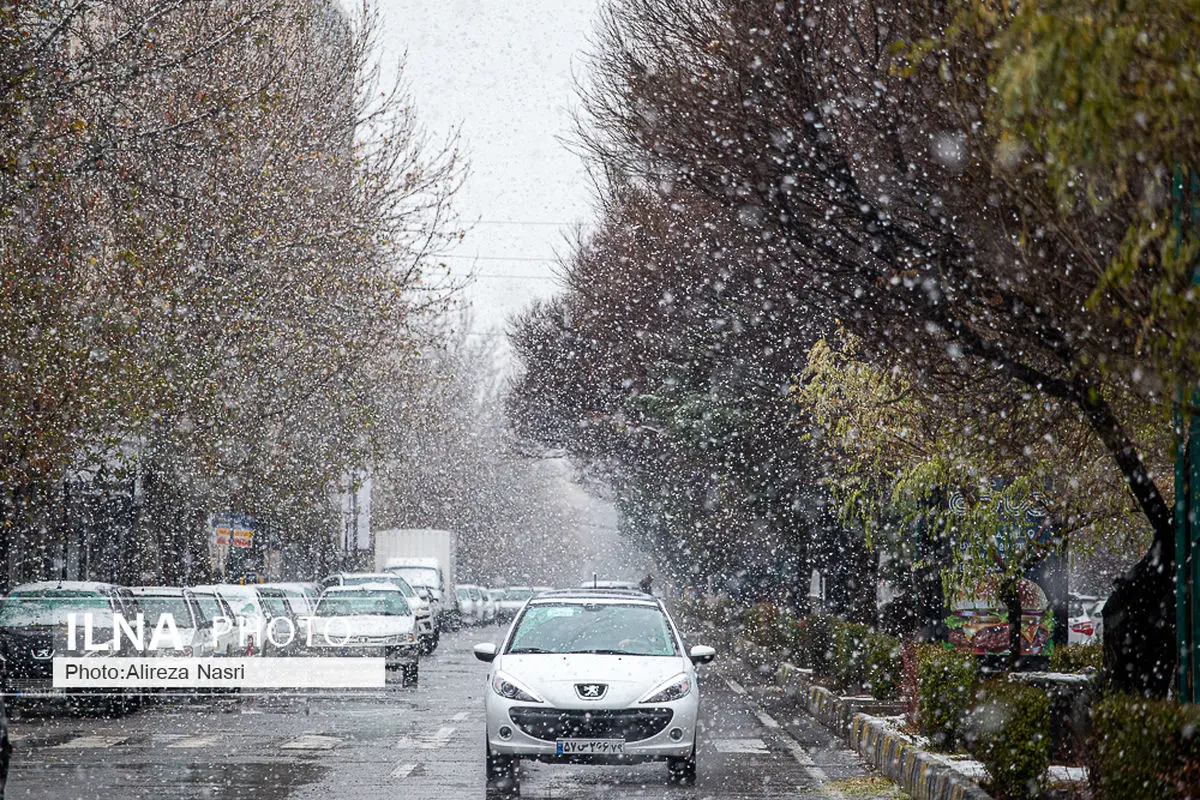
[[702, 654], [485, 651]]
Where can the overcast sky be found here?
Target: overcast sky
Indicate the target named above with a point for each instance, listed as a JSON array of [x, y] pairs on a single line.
[[503, 71]]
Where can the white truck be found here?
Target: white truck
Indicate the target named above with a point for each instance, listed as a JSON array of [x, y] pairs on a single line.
[[426, 558]]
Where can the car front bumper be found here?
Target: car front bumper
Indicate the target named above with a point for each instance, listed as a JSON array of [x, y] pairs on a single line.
[[534, 730], [393, 654]]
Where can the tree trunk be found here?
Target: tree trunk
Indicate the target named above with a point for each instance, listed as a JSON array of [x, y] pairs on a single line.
[[1010, 596], [1139, 626]]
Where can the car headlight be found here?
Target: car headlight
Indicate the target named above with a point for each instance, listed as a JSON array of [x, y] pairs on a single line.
[[509, 688], [674, 689]]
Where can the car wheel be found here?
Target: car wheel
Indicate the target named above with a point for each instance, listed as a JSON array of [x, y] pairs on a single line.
[[502, 772], [409, 675], [683, 770]]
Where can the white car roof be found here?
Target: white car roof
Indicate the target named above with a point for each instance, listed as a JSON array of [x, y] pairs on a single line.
[[95, 587], [423, 562], [364, 587], [621, 596], [163, 591], [293, 586]]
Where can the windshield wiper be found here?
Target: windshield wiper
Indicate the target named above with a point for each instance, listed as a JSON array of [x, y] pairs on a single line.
[[603, 652], [516, 651]]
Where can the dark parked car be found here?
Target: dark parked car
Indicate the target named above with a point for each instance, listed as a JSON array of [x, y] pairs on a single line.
[[33, 629]]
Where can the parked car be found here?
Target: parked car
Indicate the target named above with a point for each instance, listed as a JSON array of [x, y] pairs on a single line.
[[429, 574], [427, 632], [514, 598], [371, 619], [33, 629], [490, 604], [251, 619], [303, 596], [1084, 619], [593, 677], [212, 606], [285, 638], [195, 629], [472, 604]]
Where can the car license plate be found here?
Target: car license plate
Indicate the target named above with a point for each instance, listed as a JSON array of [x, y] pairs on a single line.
[[591, 747]]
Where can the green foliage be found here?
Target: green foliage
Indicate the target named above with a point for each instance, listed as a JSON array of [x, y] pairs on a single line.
[[1145, 749], [767, 626], [896, 449], [946, 681], [1008, 730], [850, 654], [821, 630], [800, 642], [883, 666], [1077, 658]]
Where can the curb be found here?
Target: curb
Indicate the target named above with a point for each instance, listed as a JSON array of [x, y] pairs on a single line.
[[922, 775], [837, 713], [917, 772]]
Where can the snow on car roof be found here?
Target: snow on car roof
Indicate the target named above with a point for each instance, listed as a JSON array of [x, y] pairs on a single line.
[[595, 595], [363, 587], [174, 591], [70, 586]]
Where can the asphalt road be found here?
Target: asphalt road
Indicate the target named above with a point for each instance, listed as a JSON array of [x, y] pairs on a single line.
[[424, 743]]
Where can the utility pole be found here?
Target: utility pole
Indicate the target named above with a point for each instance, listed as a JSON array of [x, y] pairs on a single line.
[[1185, 192]]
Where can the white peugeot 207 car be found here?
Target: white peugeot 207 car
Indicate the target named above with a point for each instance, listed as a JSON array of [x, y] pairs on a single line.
[[592, 676]]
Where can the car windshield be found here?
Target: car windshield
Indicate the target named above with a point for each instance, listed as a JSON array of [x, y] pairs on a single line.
[[350, 604], [209, 607], [154, 606], [419, 576], [244, 606], [50, 609], [605, 628], [277, 605]]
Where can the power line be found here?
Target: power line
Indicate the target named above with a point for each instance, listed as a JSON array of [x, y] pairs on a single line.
[[521, 277], [494, 258], [521, 222]]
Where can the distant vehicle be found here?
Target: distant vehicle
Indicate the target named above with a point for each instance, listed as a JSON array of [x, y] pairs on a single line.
[[491, 603], [425, 557], [593, 677], [286, 638], [33, 629], [372, 619], [1085, 619], [304, 596], [212, 605], [540, 589], [427, 632], [472, 604], [251, 619], [194, 627], [514, 598]]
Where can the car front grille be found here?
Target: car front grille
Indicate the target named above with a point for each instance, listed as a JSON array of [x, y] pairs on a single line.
[[31, 686], [631, 724]]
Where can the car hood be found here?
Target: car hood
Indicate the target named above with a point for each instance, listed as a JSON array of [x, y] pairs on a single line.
[[628, 678], [339, 627]]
